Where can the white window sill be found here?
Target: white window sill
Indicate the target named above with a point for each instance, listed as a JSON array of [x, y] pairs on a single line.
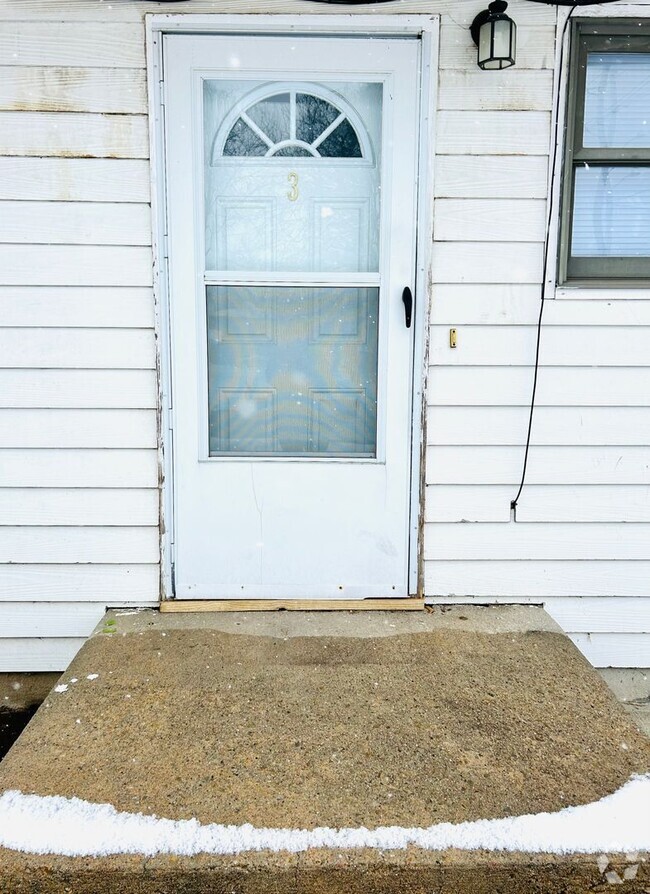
[[606, 293]]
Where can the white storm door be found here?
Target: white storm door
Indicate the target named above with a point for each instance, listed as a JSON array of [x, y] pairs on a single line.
[[291, 185]]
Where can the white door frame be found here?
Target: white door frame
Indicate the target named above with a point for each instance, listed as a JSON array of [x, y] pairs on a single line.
[[422, 27]]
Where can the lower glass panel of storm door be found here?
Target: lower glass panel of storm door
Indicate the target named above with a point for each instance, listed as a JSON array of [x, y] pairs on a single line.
[[292, 371]]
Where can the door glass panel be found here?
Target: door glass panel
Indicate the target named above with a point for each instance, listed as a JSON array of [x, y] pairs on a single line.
[[341, 143], [243, 140], [272, 116], [292, 371], [313, 116], [292, 176]]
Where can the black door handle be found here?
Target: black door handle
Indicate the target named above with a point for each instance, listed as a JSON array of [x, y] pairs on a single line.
[[407, 299]]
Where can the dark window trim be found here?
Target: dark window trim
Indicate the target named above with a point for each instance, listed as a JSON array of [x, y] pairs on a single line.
[[588, 36]]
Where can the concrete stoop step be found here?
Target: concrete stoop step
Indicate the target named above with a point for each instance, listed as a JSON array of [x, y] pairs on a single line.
[[339, 720]]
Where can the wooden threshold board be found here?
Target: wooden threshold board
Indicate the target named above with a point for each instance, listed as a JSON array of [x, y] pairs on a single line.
[[295, 605]]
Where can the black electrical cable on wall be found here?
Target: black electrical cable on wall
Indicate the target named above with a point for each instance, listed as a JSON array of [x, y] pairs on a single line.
[[547, 235]]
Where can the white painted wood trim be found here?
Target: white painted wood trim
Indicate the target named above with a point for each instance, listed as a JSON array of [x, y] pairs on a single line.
[[424, 265], [155, 93], [606, 293], [216, 277], [554, 184], [310, 25]]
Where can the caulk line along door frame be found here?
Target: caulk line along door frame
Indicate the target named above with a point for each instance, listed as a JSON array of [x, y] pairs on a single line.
[[421, 27]]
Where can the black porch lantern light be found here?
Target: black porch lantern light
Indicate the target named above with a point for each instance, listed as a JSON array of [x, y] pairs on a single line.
[[495, 35]]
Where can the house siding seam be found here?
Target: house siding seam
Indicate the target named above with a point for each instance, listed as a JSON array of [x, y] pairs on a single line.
[[78, 391]]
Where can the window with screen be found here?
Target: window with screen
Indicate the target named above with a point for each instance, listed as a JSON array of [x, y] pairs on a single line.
[[606, 190]]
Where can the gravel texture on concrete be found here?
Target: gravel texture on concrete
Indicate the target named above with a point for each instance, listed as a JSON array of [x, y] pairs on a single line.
[[631, 686], [301, 729], [327, 872], [22, 691]]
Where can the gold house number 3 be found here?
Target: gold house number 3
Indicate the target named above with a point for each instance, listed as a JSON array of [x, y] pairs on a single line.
[[293, 193]]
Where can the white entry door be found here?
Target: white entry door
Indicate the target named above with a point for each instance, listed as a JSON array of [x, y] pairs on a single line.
[[291, 183]]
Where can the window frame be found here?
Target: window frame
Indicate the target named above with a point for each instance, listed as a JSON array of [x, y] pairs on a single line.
[[587, 36]]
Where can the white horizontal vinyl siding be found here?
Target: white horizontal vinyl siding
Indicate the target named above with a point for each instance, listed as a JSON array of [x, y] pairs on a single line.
[[78, 428], [75, 223], [79, 479], [60, 89], [74, 179], [71, 134], [544, 503], [580, 544]]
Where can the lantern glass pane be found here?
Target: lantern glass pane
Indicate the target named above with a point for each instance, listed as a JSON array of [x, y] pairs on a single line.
[[501, 39], [485, 43]]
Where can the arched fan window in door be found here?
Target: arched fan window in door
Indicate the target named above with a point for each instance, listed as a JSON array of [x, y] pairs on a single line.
[[294, 123]]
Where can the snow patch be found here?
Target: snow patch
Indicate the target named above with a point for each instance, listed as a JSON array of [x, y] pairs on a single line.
[[92, 676], [62, 687], [71, 827]]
